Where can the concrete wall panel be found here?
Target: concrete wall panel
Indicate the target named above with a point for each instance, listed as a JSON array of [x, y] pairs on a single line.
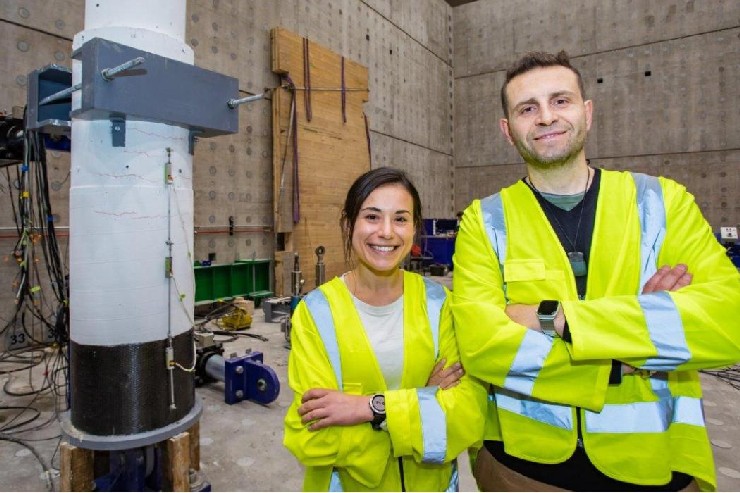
[[620, 24], [26, 50], [490, 34], [478, 140], [662, 75], [687, 102], [60, 18], [425, 21]]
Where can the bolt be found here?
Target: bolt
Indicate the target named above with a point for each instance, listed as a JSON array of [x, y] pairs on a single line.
[[239, 370], [239, 394], [261, 385]]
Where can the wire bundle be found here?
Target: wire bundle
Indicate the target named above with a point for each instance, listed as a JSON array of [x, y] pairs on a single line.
[[39, 322]]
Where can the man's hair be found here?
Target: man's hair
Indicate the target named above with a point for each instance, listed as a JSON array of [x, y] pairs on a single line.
[[538, 59]]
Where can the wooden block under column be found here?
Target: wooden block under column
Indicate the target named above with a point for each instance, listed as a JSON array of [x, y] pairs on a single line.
[[194, 433], [177, 462], [76, 468]]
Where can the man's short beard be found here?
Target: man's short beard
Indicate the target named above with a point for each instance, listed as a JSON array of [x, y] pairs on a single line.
[[554, 162]]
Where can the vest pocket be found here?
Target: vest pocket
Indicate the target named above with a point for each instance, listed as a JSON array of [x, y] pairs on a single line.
[[524, 270], [529, 280]]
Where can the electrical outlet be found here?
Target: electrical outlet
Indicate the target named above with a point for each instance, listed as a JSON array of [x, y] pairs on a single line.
[[728, 233]]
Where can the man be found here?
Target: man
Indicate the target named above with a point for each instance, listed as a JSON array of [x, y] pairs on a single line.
[[588, 299]]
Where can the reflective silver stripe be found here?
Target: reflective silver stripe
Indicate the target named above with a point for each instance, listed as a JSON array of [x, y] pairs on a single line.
[[688, 411], [433, 426], [666, 332], [335, 484], [544, 412], [494, 221], [435, 295], [318, 305], [651, 211], [647, 417], [529, 360], [454, 484]]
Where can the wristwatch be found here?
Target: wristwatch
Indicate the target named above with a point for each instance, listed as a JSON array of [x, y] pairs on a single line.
[[377, 406], [546, 313]]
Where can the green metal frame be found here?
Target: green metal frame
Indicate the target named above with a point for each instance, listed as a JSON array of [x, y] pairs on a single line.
[[246, 277]]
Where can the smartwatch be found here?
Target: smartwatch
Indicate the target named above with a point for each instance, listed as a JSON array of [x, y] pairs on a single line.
[[546, 314], [377, 406]]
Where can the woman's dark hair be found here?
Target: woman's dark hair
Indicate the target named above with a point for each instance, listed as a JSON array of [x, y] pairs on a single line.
[[361, 190]]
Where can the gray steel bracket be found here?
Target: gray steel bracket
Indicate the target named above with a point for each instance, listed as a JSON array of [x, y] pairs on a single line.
[[159, 89], [50, 118]]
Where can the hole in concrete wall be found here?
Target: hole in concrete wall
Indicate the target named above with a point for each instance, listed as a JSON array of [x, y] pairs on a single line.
[[648, 73], [600, 80], [280, 240]]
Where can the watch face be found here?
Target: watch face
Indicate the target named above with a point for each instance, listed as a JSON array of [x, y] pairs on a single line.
[[548, 307], [379, 403]]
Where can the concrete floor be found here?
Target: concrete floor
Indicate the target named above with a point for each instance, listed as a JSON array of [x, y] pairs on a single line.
[[241, 444]]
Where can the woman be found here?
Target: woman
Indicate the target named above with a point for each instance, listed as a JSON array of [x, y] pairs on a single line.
[[381, 402]]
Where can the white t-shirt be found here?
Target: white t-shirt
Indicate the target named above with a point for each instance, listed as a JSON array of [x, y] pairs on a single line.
[[384, 328]]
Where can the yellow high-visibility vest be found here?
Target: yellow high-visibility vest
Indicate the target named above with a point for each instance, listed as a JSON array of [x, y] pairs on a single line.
[[652, 423], [427, 428]]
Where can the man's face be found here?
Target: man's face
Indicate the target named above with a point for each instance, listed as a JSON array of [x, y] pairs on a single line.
[[548, 118]]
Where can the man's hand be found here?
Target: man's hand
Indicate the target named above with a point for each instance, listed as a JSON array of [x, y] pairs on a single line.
[[668, 279], [445, 377], [322, 408]]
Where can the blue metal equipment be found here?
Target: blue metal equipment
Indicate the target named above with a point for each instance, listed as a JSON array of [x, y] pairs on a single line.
[[245, 377]]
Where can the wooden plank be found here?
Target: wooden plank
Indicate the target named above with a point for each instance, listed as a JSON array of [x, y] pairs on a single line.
[[332, 154], [177, 462], [194, 433], [76, 468]]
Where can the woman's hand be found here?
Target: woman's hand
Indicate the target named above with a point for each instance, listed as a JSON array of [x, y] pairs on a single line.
[[445, 377], [322, 408]]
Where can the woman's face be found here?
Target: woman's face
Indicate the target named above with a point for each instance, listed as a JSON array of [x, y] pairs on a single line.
[[384, 229]]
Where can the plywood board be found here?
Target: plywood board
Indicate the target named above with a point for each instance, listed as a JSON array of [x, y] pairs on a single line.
[[331, 153]]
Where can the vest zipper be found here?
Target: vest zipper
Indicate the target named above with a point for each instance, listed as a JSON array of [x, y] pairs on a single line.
[[400, 471]]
